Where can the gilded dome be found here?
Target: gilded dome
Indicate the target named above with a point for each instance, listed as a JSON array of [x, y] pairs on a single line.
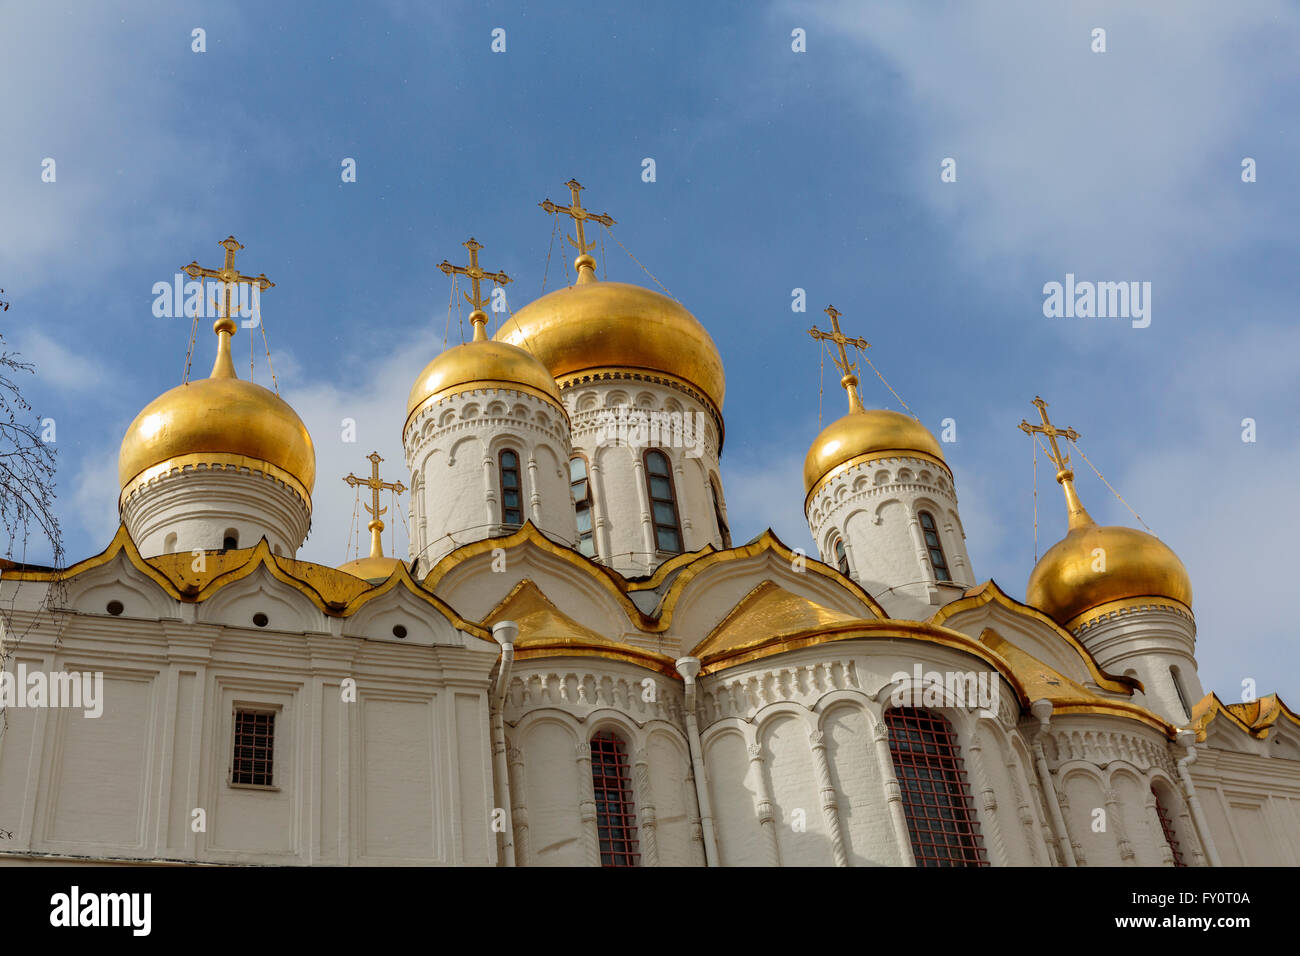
[[219, 420], [481, 363], [1064, 584], [1094, 565], [596, 325], [863, 434], [371, 568]]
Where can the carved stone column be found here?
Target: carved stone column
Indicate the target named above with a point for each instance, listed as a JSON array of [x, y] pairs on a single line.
[[988, 798], [534, 496], [766, 820], [893, 792], [518, 809], [646, 821], [1115, 823], [1063, 799], [830, 805], [587, 806]]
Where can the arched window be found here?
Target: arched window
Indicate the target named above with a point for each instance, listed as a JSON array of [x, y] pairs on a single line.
[[841, 555], [615, 812], [512, 508], [169, 544], [581, 488], [1177, 678], [723, 531], [936, 796], [1168, 828], [663, 503], [931, 532], [229, 539]]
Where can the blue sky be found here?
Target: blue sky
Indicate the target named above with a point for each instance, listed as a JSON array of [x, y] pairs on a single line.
[[775, 170]]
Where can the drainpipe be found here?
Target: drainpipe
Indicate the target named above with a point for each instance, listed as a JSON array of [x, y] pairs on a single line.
[[1187, 739], [1042, 709], [505, 633], [689, 668]]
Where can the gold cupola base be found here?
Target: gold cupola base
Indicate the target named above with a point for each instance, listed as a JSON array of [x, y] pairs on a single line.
[[374, 567]]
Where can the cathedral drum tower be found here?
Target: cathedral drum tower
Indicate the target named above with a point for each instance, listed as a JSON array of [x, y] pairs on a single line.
[[643, 383], [486, 439], [881, 503], [218, 463]]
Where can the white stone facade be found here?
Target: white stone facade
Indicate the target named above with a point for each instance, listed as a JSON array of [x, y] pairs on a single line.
[[201, 506], [874, 507], [453, 449], [624, 533]]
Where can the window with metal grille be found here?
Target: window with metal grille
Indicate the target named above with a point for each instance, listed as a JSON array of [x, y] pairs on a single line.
[[254, 749], [936, 796], [581, 488], [841, 556], [512, 509], [663, 503], [723, 531], [1168, 829], [615, 813], [931, 532]]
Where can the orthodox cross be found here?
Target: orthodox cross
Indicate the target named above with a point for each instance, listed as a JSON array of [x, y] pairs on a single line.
[[227, 274], [579, 215], [478, 318], [1060, 460], [849, 369], [1078, 517], [375, 485]]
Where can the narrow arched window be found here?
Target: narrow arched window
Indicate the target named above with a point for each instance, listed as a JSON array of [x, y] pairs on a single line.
[[841, 556], [932, 544], [724, 532], [580, 485], [1168, 829], [936, 796], [615, 810], [512, 508], [1177, 678], [663, 503], [229, 539]]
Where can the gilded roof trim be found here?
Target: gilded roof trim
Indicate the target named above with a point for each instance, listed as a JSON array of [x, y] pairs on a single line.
[[990, 593]]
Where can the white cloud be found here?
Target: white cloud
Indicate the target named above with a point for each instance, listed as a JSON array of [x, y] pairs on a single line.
[[56, 364]]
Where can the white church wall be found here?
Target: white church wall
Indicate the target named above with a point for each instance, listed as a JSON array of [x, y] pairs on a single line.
[[197, 507], [873, 506], [624, 532], [452, 448]]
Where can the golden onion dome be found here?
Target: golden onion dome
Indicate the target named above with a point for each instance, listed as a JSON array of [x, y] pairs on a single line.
[[1093, 566], [864, 434], [481, 363], [219, 420], [614, 325]]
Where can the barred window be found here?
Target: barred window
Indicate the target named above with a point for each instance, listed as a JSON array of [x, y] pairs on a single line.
[[932, 544], [615, 813], [254, 748], [580, 485], [512, 509], [1168, 829], [936, 797]]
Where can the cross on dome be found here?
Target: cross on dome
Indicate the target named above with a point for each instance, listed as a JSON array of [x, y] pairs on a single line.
[[227, 276], [477, 318], [848, 368], [579, 215], [376, 485], [1064, 475]]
